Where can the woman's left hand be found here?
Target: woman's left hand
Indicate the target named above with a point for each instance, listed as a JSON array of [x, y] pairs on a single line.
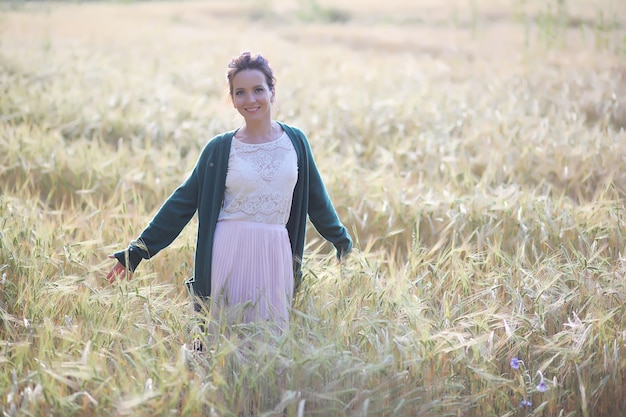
[[118, 271]]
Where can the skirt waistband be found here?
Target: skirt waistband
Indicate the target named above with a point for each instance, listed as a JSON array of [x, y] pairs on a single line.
[[242, 223]]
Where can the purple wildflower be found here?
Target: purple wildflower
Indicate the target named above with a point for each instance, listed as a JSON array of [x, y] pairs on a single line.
[[525, 403], [515, 363], [542, 387]]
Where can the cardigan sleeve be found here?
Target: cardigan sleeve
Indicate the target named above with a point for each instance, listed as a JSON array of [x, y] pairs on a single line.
[[322, 212], [166, 225]]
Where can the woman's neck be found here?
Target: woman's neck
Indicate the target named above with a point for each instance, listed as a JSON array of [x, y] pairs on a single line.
[[262, 131], [259, 128]]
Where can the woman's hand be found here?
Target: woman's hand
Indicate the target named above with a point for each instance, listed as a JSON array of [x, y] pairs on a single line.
[[118, 272]]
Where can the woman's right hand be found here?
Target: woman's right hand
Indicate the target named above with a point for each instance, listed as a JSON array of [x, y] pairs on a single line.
[[118, 272]]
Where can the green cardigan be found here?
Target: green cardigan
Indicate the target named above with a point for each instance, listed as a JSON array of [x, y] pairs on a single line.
[[203, 191]]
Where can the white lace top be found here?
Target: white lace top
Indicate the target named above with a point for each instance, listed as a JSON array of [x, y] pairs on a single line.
[[260, 181]]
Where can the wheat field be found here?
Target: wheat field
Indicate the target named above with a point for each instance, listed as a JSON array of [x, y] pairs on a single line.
[[475, 149]]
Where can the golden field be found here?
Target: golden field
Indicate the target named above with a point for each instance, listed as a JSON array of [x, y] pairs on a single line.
[[475, 149]]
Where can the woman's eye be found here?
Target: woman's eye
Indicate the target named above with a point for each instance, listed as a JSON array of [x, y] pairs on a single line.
[[259, 90]]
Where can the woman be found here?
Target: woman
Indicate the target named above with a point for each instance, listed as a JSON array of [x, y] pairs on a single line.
[[253, 189]]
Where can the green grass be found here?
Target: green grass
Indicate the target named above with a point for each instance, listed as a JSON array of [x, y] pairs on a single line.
[[482, 181]]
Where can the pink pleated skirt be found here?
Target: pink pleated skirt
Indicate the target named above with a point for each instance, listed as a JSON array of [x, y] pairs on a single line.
[[252, 272]]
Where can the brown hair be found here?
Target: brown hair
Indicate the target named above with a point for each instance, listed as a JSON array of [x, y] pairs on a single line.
[[246, 61]]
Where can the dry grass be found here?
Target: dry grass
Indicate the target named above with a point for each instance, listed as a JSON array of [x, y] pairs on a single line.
[[475, 149]]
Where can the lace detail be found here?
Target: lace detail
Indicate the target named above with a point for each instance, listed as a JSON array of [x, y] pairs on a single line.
[[260, 181]]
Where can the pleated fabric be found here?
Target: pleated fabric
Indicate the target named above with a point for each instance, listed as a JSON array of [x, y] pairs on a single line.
[[252, 273]]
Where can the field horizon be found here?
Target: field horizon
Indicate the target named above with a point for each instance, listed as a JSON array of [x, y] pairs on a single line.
[[474, 149]]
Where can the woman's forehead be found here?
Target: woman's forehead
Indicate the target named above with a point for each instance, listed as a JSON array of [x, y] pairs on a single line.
[[249, 77]]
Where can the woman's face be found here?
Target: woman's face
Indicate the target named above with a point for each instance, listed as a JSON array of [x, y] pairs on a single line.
[[251, 95]]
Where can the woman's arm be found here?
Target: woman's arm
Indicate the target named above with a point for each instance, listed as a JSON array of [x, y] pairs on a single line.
[[322, 212], [166, 225]]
